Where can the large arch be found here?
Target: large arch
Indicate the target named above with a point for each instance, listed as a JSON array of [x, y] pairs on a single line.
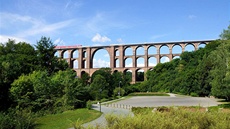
[[100, 58]]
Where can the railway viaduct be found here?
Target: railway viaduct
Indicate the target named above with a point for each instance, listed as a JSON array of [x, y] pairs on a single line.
[[80, 58]]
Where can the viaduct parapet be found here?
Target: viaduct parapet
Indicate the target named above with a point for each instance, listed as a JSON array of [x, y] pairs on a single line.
[[80, 58]]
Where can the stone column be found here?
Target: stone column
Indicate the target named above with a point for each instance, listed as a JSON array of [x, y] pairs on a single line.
[[88, 57], [80, 58], [134, 57], [146, 57], [112, 56], [121, 56]]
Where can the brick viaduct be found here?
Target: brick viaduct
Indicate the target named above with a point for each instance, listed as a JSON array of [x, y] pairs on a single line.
[[82, 56]]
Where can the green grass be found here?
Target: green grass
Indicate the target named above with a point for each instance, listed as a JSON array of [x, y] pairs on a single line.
[[66, 119], [148, 94]]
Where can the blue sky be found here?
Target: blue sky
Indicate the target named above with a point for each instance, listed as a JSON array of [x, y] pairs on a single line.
[[105, 22]]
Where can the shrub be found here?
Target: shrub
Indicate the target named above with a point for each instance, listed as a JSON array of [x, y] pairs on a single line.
[[17, 119], [89, 105], [173, 118]]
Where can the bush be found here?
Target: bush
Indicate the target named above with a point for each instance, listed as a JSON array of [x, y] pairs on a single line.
[[89, 105], [171, 118], [17, 119], [194, 94]]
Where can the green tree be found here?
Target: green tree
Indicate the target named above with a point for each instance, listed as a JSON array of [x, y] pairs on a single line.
[[15, 59], [225, 35], [46, 59], [98, 87], [220, 71]]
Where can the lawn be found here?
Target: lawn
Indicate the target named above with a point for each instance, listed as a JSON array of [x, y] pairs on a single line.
[[66, 119]]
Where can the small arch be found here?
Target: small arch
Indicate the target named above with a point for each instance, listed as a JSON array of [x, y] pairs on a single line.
[[189, 47], [56, 54], [128, 62], [115, 71], [177, 49], [117, 52], [140, 75], [152, 50], [128, 51], [84, 54], [117, 63], [84, 64], [152, 61], [128, 74], [140, 51], [164, 49], [75, 64], [151, 69], [75, 54], [140, 62], [66, 54], [164, 59], [202, 45], [175, 57]]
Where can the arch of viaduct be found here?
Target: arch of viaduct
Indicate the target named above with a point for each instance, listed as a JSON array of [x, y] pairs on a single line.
[[117, 52]]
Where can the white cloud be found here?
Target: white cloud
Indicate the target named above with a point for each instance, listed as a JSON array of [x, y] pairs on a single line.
[[192, 16], [99, 38], [99, 63], [59, 42], [5, 38], [26, 26], [164, 59]]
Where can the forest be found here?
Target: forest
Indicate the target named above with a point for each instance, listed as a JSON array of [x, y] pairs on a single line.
[[33, 80]]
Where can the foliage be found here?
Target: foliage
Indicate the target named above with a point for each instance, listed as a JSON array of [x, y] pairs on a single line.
[[225, 35], [15, 59], [107, 82], [118, 91], [221, 70], [17, 119], [170, 119], [190, 74], [38, 91], [46, 59]]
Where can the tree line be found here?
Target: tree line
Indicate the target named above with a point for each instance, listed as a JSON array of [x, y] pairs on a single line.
[[205, 72]]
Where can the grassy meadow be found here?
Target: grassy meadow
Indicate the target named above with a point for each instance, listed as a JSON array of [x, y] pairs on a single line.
[[66, 119]]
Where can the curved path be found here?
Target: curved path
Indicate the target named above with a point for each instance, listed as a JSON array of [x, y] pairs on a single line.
[[106, 110]]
